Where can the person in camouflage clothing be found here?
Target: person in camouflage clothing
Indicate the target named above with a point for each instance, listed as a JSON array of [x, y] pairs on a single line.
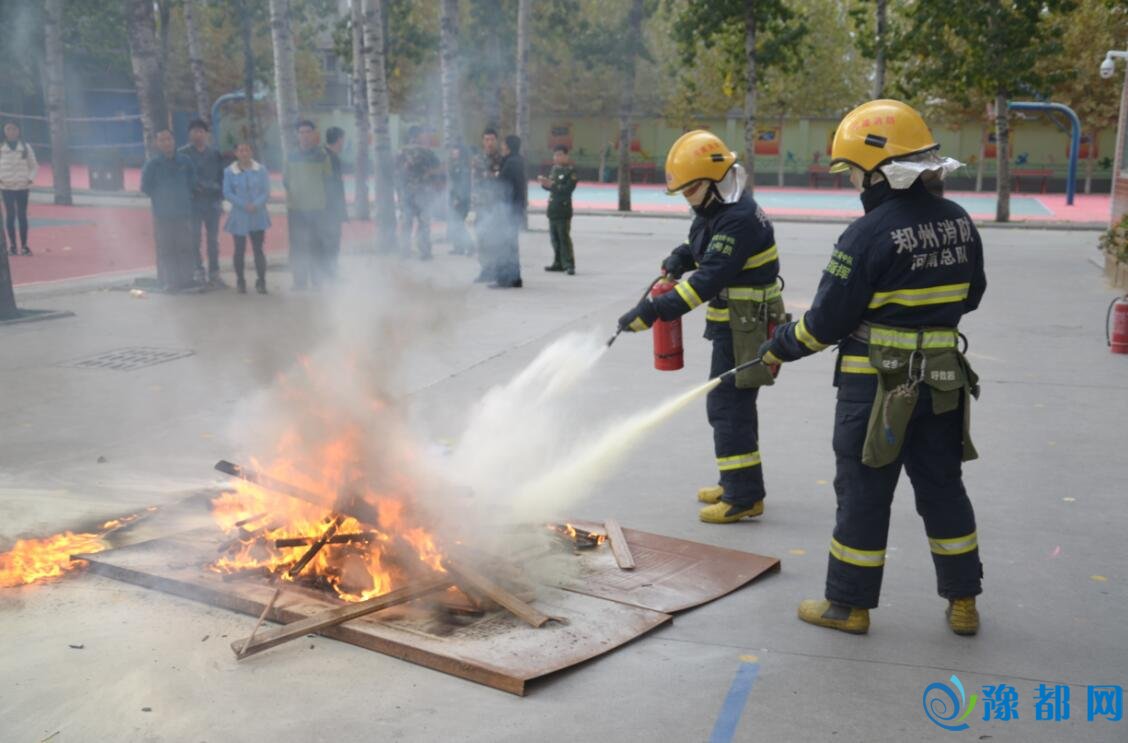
[[488, 202], [417, 168], [560, 184]]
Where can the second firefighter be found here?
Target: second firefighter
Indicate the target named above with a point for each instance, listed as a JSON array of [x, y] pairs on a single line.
[[732, 253]]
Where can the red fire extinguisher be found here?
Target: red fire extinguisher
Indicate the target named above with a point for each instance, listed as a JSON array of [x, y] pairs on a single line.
[[668, 352], [1116, 325]]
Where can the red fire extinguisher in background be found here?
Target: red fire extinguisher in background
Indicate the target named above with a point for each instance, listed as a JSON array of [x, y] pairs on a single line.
[[1116, 325], [668, 352]]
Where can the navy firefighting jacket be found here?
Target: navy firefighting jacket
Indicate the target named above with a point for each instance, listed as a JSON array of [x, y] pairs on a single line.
[[914, 261], [729, 245]]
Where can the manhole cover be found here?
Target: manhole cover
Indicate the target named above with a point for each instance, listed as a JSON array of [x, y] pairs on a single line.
[[128, 359]]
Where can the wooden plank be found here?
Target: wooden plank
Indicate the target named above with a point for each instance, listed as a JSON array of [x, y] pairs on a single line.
[[619, 546], [244, 648], [480, 583]]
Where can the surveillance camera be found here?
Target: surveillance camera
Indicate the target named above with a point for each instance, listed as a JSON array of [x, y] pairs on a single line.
[[1108, 68]]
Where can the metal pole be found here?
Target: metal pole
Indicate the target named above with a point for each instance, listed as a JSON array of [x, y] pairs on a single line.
[[1075, 138]]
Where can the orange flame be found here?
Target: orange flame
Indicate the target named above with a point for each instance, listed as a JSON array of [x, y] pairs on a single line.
[[33, 560]]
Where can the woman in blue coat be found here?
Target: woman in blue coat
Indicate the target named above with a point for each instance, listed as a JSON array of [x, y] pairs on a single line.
[[246, 185]]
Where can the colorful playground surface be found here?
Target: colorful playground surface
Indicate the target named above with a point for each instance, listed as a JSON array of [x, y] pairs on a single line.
[[830, 203]]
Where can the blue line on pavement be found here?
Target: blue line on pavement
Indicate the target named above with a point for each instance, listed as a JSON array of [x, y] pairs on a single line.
[[725, 727]]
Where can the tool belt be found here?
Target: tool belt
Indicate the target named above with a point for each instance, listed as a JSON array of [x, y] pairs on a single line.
[[752, 312], [905, 359]]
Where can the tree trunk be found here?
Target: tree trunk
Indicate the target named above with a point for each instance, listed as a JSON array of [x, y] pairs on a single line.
[[143, 56], [521, 126], [879, 56], [8, 308], [750, 92], [164, 24], [492, 105], [982, 156], [1002, 156], [55, 98], [626, 103], [450, 74], [782, 154], [196, 61], [375, 56], [360, 108], [285, 78], [246, 29]]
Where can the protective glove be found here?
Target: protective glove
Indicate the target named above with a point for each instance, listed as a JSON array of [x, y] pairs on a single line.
[[766, 353], [641, 317], [675, 264]]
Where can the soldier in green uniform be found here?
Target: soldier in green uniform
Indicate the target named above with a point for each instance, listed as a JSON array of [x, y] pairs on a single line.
[[560, 184], [417, 169]]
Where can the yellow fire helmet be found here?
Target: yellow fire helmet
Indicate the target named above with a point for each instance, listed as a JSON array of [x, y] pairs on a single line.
[[875, 133], [696, 155]]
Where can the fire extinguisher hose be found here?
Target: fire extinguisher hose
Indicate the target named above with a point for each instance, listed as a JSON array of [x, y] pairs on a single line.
[[645, 294]]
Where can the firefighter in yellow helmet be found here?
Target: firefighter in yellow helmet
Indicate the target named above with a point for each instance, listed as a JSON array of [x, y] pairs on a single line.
[[732, 253], [898, 283]]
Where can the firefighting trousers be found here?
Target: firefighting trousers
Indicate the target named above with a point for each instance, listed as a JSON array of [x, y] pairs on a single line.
[[732, 414], [931, 455]]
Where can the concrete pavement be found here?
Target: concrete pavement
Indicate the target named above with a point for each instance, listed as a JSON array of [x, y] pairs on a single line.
[[1048, 492]]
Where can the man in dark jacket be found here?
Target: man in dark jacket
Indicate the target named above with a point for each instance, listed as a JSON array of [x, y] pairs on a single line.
[[514, 198], [207, 197], [169, 180]]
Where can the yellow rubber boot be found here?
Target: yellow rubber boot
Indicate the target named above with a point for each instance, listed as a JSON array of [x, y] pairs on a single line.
[[710, 494], [963, 617], [726, 513], [835, 616]]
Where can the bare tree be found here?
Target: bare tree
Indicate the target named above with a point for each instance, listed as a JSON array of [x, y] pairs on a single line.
[[246, 29], [375, 55], [522, 93], [879, 51], [750, 92], [55, 97], [196, 61], [145, 61], [360, 108], [626, 103], [451, 73], [285, 78]]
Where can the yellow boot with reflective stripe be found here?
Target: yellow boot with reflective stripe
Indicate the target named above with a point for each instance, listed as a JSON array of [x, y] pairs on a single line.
[[963, 617], [835, 616], [711, 494], [726, 513]]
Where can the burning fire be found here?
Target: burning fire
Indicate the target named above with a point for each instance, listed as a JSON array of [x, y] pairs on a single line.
[[270, 533], [33, 560]]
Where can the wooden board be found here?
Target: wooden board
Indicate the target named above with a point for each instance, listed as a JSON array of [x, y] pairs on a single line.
[[670, 574], [498, 649]]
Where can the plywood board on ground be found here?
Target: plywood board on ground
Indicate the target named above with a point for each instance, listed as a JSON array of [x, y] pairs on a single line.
[[670, 574], [497, 649]]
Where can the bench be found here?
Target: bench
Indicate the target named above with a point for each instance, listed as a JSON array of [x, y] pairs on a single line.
[[1043, 173]]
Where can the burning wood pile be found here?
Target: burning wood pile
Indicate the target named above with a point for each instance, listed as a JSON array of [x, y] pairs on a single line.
[[366, 553]]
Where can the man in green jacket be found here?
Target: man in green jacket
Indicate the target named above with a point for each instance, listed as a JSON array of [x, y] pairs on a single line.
[[560, 184], [308, 172]]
